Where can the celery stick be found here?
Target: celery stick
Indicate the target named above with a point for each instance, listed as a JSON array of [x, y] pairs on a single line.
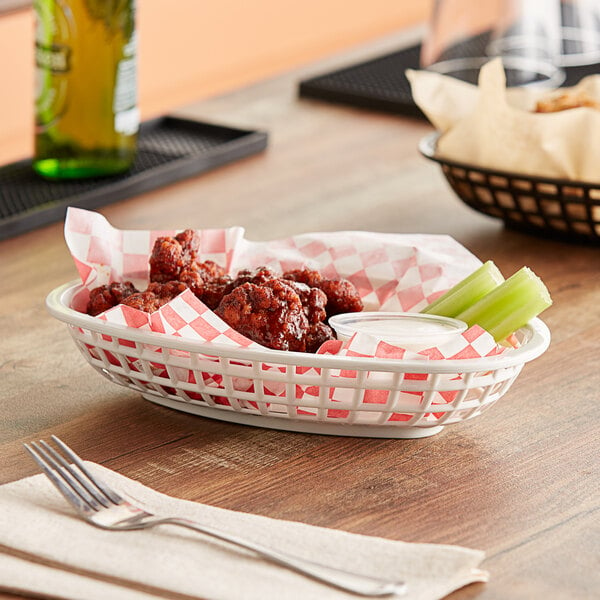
[[510, 305], [467, 292]]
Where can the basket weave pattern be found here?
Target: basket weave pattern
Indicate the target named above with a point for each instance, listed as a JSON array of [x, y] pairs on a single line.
[[561, 208], [381, 394]]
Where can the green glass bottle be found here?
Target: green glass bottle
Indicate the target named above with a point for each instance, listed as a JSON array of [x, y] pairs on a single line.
[[86, 99]]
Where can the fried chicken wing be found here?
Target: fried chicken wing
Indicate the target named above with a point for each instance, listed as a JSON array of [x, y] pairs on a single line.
[[313, 300], [192, 279], [342, 296], [155, 296], [270, 314], [215, 289], [257, 276], [566, 101], [317, 334], [167, 291], [166, 260], [210, 270], [190, 243], [306, 276], [177, 258], [106, 296], [146, 301]]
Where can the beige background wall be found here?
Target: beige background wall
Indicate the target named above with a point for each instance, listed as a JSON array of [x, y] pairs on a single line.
[[191, 49]]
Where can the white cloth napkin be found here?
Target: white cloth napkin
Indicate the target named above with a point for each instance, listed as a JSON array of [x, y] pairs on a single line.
[[45, 548]]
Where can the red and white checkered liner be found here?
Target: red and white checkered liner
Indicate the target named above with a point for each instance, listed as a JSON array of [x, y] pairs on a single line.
[[200, 362]]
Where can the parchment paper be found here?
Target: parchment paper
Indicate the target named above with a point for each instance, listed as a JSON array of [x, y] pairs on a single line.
[[494, 127]]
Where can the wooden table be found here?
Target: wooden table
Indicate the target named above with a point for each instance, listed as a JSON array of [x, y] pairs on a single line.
[[520, 482]]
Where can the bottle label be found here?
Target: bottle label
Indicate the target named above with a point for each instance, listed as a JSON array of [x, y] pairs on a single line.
[[55, 58], [127, 116], [127, 122]]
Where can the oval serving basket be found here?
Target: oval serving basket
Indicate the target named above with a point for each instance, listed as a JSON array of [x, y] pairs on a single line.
[[363, 397], [559, 208]]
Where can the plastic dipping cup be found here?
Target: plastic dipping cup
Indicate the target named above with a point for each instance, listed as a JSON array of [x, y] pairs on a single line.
[[412, 331]]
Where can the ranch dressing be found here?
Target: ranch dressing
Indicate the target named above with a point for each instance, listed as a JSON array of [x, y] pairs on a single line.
[[412, 331]]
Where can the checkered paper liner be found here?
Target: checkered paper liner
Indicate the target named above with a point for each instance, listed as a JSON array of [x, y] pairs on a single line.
[[185, 353]]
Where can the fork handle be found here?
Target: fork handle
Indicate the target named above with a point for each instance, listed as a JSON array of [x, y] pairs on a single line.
[[345, 580]]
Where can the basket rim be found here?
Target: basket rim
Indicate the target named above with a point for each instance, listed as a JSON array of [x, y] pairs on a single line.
[[537, 333], [428, 144]]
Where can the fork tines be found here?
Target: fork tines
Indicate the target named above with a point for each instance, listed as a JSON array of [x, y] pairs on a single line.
[[74, 481]]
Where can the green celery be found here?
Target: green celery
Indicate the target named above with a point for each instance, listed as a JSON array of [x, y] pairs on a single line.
[[510, 305], [467, 292]]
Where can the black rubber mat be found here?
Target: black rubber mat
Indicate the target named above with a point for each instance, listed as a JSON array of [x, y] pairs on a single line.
[[169, 149], [380, 84]]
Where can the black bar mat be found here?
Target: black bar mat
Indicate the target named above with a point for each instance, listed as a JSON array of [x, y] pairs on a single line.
[[169, 149], [380, 84]]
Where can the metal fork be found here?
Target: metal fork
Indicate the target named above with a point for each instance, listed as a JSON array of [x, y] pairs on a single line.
[[102, 506]]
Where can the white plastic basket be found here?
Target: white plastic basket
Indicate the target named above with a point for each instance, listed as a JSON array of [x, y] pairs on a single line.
[[364, 397]]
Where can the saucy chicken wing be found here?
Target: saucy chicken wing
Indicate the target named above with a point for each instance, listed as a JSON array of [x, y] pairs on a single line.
[[155, 296], [106, 296], [270, 314]]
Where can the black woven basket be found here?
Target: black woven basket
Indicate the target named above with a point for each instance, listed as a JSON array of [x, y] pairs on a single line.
[[558, 208]]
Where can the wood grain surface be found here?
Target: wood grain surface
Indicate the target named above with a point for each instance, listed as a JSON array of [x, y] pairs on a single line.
[[520, 482]]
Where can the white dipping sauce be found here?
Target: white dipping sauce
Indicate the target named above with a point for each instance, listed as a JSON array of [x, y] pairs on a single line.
[[412, 331]]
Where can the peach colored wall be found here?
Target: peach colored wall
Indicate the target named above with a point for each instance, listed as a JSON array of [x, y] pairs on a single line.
[[192, 49]]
